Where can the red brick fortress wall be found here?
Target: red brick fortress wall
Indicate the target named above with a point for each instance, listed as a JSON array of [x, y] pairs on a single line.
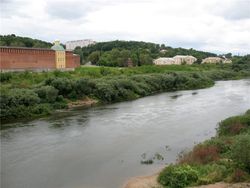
[[26, 58], [72, 60], [17, 58]]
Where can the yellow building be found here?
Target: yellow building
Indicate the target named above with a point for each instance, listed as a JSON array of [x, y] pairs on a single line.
[[60, 55]]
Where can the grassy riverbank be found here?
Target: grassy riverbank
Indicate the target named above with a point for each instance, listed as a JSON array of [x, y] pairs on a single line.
[[226, 157], [31, 94]]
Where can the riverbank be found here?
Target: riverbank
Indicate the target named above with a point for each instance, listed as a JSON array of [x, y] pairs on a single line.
[[225, 157], [34, 95]]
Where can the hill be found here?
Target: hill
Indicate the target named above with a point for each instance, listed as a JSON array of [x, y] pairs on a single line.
[[17, 41], [116, 53]]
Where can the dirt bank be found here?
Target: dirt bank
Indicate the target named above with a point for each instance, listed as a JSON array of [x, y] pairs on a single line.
[[86, 102], [143, 182], [151, 182]]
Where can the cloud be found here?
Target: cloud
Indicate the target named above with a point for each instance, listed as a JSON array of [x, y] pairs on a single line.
[[234, 10], [214, 25]]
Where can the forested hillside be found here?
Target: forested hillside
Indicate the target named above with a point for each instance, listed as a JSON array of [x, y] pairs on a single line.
[[116, 53], [17, 41]]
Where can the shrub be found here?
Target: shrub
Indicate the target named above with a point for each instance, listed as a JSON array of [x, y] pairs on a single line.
[[234, 125], [241, 151], [41, 109], [84, 87], [178, 176], [201, 154], [24, 97], [239, 175], [47, 94], [64, 85], [105, 92], [5, 77]]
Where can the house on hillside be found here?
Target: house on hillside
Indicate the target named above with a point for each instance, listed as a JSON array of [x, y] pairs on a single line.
[[176, 60], [214, 60], [184, 59], [164, 61]]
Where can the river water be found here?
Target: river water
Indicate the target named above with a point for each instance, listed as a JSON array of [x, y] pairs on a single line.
[[101, 147]]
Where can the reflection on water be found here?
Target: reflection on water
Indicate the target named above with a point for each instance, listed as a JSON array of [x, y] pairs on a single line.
[[101, 147]]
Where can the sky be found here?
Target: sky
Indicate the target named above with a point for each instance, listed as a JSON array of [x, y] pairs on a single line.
[[219, 26]]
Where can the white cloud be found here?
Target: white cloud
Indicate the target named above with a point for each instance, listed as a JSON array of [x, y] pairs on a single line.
[[212, 25]]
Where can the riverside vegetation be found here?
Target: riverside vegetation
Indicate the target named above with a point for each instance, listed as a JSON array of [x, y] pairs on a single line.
[[225, 157], [32, 94]]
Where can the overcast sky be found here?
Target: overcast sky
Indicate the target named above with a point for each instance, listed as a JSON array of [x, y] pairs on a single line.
[[212, 25]]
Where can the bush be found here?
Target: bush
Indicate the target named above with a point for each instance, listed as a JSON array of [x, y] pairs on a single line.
[[201, 154], [178, 176], [241, 151], [105, 92], [84, 87], [17, 103], [5, 77], [234, 125], [64, 85], [47, 94], [17, 97], [41, 109]]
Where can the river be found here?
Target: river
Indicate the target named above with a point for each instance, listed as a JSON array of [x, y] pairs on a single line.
[[103, 146]]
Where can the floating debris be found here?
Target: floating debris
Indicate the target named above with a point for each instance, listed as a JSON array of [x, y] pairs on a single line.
[[176, 96], [158, 157], [147, 162], [144, 155]]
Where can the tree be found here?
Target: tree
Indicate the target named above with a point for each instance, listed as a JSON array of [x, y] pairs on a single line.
[[94, 57]]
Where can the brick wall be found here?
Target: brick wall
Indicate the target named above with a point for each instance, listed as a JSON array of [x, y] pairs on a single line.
[[12, 58], [72, 60]]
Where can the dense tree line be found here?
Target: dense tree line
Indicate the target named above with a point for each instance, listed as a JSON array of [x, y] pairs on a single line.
[[52, 93], [115, 53], [17, 41]]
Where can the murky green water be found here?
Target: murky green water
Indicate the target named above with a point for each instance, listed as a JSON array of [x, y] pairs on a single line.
[[102, 147]]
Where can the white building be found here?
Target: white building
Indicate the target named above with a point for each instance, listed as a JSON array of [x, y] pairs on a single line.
[[215, 60], [164, 61], [71, 45], [184, 59], [176, 60]]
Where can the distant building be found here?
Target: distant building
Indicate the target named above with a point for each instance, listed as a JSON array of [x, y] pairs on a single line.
[[184, 59], [71, 45], [38, 59], [215, 60], [164, 61], [176, 60]]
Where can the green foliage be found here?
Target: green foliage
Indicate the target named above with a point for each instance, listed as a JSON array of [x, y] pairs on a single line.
[[178, 176], [94, 57], [116, 53], [17, 102], [84, 87], [47, 94], [16, 41], [241, 63], [5, 77], [241, 151], [234, 125], [64, 86]]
